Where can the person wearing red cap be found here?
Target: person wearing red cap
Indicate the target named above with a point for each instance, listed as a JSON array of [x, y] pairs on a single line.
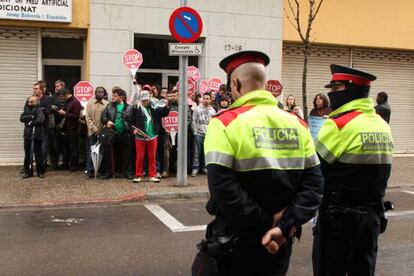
[[263, 175], [355, 148]]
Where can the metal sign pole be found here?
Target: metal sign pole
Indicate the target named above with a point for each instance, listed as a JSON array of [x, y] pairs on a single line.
[[182, 119]]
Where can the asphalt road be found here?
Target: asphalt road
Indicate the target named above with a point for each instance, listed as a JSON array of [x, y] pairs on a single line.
[[132, 240]]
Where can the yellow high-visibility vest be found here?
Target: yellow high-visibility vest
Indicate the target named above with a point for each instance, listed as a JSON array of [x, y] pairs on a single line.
[[355, 134], [254, 134]]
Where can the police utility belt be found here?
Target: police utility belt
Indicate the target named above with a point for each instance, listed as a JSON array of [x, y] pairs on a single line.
[[335, 204]]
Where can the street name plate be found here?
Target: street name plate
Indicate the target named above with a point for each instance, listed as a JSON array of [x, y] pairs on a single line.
[[185, 49]]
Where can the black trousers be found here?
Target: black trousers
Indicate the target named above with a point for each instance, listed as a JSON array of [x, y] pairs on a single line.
[[70, 150], [53, 141], [37, 154], [254, 260], [119, 155], [345, 244]]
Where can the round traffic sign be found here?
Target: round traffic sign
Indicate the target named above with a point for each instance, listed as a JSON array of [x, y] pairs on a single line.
[[185, 25], [274, 87], [83, 91]]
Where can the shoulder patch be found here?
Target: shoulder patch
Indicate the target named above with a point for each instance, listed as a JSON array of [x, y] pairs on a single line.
[[227, 116], [301, 121], [344, 119]]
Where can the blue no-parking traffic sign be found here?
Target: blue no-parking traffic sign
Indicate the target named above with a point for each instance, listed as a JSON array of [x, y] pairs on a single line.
[[185, 25]]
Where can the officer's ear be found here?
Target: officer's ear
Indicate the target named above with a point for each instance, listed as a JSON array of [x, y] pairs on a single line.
[[237, 84]]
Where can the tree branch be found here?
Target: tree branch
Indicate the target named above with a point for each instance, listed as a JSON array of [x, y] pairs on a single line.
[[317, 9], [290, 21], [297, 18]]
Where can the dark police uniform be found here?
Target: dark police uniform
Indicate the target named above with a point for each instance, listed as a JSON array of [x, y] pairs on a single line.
[[260, 160], [355, 147]]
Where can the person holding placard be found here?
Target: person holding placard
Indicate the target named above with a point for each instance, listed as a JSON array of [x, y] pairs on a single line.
[[145, 122]]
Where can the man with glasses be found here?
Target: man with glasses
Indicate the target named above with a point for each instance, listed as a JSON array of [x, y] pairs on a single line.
[[116, 116]]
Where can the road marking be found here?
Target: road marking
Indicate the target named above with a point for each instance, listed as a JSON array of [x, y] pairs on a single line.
[[400, 213], [171, 222], [408, 192]]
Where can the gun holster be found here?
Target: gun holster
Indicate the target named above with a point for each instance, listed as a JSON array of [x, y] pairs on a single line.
[[387, 206], [221, 247]]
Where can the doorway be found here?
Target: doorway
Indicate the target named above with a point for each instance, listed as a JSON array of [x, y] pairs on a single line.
[[70, 74], [163, 78]]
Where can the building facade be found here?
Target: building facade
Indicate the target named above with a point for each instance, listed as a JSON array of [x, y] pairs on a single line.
[[37, 41], [228, 26], [374, 37]]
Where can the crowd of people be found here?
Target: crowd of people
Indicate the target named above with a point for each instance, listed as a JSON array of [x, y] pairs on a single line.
[[59, 131]]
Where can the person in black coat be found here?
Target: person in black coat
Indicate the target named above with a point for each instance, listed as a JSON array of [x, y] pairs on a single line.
[[382, 108], [116, 117], [33, 118], [70, 115]]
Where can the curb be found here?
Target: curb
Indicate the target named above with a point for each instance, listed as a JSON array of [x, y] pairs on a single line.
[[177, 195], [138, 197], [134, 197]]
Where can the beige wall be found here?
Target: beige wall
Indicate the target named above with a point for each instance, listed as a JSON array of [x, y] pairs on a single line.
[[366, 23], [80, 18]]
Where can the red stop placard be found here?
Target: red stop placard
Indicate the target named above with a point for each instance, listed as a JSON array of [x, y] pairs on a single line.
[[170, 123], [191, 86], [274, 87], [83, 91], [193, 73], [203, 87], [132, 59], [214, 84]]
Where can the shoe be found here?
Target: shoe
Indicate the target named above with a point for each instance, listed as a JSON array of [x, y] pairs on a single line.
[[55, 166], [63, 168], [158, 175], [137, 180], [154, 179], [106, 176], [204, 171], [128, 176], [89, 175], [26, 175], [194, 172], [41, 175], [164, 175]]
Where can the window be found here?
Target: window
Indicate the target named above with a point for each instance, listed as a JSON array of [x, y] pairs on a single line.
[[62, 48]]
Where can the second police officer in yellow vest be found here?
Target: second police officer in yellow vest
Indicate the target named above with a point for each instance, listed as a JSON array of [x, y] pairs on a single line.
[[355, 147], [263, 172]]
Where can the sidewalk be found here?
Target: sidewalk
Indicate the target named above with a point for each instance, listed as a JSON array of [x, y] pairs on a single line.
[[66, 188]]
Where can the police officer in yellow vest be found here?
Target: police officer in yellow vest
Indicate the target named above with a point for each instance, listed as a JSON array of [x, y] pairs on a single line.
[[263, 172], [355, 148]]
